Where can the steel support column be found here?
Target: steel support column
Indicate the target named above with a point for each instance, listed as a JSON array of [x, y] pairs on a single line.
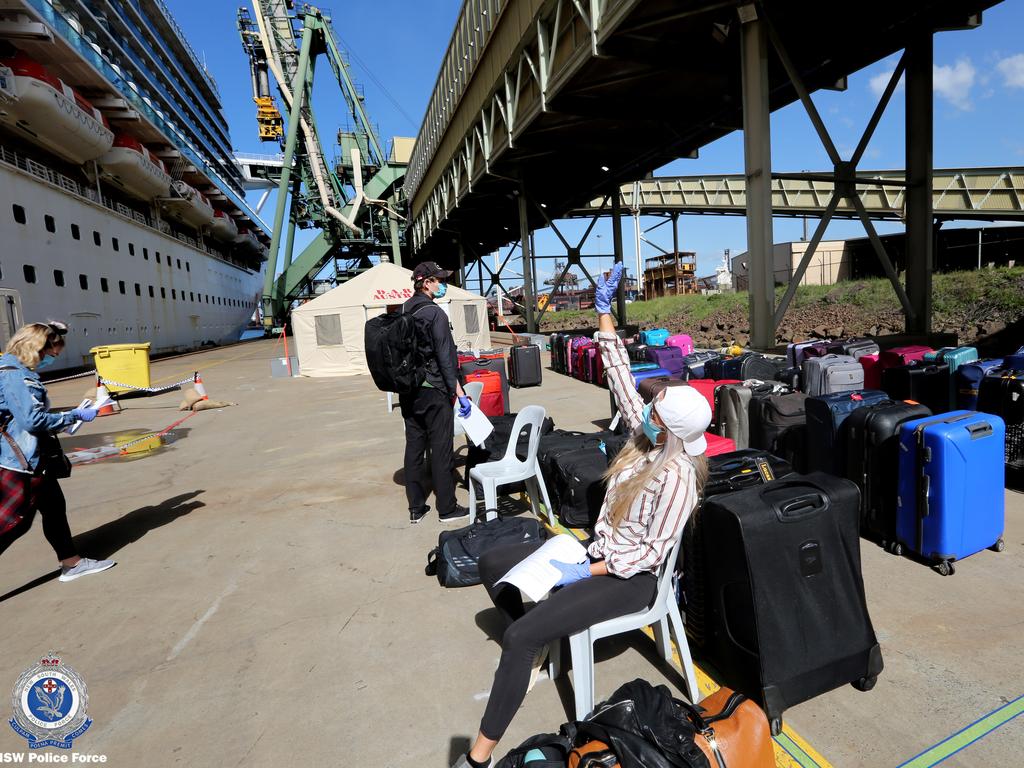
[[529, 302], [294, 117], [919, 131], [462, 265], [620, 299], [757, 161]]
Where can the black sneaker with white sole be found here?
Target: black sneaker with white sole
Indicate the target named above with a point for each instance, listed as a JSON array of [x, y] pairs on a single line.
[[459, 512], [415, 515]]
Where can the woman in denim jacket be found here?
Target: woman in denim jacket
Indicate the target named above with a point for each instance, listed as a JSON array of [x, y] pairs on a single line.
[[27, 422]]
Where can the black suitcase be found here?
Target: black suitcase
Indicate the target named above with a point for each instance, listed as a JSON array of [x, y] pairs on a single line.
[[751, 365], [489, 364], [872, 462], [557, 346], [727, 472], [928, 384], [826, 439], [579, 486], [637, 352], [785, 614], [1001, 392], [791, 377], [524, 369], [778, 424]]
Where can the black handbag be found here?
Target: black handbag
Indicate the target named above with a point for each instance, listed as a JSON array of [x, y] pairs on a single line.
[[53, 462]]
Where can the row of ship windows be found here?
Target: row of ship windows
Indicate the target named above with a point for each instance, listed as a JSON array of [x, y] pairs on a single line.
[[83, 282], [51, 226]]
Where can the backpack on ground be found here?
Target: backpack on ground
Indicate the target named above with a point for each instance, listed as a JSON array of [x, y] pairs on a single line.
[[456, 558], [391, 351]]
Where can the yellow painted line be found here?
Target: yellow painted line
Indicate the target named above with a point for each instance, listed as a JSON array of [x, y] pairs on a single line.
[[791, 750]]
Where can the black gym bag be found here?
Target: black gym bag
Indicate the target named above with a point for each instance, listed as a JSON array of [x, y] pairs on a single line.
[[456, 558]]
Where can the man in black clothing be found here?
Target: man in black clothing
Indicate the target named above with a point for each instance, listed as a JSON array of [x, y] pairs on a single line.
[[429, 414]]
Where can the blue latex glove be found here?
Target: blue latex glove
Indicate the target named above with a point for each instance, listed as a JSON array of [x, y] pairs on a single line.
[[606, 290], [84, 414], [464, 406], [571, 572]]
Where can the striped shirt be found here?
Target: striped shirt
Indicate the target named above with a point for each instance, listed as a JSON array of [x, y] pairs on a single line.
[[644, 537]]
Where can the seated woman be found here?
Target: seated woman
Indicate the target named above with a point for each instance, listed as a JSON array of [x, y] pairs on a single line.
[[653, 486]]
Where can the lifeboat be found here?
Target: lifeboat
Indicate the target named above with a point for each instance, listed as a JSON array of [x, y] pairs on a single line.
[[50, 113], [223, 227], [135, 169], [248, 244], [188, 205]]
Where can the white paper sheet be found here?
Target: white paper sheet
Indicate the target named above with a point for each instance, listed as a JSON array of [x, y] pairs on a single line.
[[476, 426], [534, 574]]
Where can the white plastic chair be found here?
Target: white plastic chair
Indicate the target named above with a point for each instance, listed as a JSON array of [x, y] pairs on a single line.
[[511, 469], [663, 610], [473, 391]]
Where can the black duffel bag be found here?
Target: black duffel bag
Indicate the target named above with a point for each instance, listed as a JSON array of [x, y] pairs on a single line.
[[456, 558]]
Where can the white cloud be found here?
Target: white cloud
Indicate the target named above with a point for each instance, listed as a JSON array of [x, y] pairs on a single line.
[[879, 81], [954, 83], [1012, 70]]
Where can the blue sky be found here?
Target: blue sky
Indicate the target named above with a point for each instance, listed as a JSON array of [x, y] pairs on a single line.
[[396, 48]]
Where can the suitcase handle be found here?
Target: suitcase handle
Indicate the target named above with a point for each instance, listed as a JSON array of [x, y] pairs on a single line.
[[979, 430], [798, 507]]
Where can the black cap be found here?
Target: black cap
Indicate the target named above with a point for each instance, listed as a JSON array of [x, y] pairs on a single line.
[[428, 269]]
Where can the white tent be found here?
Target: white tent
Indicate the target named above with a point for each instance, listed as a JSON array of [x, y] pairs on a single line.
[[328, 331]]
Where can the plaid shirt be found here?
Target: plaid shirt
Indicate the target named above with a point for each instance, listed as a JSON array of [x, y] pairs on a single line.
[[644, 537]]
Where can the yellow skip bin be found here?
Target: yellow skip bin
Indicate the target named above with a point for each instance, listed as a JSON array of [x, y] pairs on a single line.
[[123, 363]]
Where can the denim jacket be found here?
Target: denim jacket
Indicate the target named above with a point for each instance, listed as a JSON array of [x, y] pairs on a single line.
[[25, 408]]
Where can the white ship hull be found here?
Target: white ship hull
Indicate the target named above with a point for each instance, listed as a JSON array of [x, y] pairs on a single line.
[[197, 298]]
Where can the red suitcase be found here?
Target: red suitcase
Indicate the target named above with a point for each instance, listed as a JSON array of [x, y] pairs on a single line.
[[492, 400]]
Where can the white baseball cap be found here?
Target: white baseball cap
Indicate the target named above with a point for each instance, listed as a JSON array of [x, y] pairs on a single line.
[[687, 415]]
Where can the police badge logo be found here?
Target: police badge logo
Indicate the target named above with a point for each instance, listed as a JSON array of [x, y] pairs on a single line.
[[50, 703]]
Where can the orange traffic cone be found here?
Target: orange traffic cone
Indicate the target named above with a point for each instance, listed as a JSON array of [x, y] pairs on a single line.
[[107, 406], [200, 389]]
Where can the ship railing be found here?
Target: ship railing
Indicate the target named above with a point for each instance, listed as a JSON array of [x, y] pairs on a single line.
[[69, 185]]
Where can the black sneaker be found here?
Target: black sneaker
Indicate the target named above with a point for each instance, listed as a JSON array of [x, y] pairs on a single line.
[[459, 512], [415, 515]]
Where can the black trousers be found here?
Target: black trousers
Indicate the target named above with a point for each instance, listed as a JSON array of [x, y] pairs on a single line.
[[565, 612], [429, 422], [45, 496]]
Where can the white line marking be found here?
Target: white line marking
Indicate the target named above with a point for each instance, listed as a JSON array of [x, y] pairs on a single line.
[[194, 629]]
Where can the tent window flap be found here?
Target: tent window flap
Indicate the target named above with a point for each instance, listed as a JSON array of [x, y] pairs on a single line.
[[472, 318], [328, 330]]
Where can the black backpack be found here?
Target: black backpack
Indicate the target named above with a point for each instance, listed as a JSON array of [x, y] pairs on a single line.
[[392, 353], [456, 558]]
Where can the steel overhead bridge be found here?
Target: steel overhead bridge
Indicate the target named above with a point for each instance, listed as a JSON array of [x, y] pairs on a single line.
[[570, 98], [989, 194]]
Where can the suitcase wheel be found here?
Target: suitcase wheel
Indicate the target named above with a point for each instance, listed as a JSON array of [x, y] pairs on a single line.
[[945, 568], [865, 683], [894, 548], [776, 726], [999, 546]]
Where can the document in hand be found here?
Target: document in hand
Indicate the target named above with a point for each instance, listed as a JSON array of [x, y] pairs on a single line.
[[534, 574], [476, 426]]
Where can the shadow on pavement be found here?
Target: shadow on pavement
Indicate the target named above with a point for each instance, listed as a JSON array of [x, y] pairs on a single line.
[[112, 537]]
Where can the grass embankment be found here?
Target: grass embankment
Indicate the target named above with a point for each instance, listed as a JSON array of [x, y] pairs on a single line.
[[971, 304]]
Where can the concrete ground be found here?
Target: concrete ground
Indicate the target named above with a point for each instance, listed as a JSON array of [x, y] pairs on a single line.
[[269, 606]]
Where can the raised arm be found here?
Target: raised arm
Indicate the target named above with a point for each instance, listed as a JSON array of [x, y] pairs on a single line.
[[613, 352]]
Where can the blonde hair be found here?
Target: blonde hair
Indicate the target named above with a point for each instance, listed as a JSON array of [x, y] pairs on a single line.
[[639, 447], [29, 341]]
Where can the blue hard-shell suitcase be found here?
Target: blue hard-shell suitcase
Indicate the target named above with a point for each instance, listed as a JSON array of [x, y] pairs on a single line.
[[654, 337], [951, 501], [639, 376], [967, 382]]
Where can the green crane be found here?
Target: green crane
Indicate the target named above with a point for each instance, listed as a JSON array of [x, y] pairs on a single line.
[[356, 203]]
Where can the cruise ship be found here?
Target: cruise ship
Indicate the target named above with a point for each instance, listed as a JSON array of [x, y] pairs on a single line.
[[122, 208]]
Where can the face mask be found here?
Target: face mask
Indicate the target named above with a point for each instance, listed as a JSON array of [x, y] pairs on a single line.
[[441, 290], [650, 429], [47, 360]]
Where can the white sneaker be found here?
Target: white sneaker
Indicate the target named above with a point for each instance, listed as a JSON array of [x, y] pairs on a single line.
[[84, 567]]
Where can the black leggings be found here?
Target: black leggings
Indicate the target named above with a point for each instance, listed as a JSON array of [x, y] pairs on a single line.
[[48, 499], [565, 612]]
